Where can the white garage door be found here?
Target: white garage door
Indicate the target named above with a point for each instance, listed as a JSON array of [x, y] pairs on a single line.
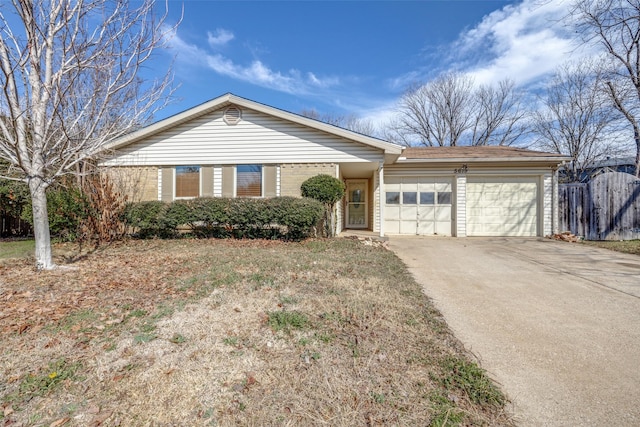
[[502, 206], [418, 205]]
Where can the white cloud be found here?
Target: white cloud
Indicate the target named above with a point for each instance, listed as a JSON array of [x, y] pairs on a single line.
[[256, 72], [524, 42], [220, 38]]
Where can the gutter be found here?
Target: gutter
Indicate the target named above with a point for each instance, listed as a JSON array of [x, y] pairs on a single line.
[[483, 159]]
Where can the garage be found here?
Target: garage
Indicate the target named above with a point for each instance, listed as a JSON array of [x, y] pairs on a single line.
[[502, 206], [418, 205]]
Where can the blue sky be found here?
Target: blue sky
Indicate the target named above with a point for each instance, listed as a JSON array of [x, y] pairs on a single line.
[[356, 57]]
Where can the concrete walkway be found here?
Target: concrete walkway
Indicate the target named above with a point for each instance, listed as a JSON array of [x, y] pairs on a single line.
[[556, 324]]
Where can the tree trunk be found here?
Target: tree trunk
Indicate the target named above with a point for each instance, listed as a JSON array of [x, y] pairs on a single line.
[[41, 233]]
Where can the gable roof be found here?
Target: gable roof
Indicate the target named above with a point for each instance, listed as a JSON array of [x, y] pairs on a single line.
[[485, 153], [231, 99]]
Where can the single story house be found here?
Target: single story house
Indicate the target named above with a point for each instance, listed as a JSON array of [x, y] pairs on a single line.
[[234, 147]]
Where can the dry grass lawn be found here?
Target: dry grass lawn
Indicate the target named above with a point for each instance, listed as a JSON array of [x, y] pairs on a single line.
[[626, 246], [216, 332]]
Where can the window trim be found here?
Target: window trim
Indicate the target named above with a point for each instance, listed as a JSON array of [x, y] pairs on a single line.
[[175, 179]]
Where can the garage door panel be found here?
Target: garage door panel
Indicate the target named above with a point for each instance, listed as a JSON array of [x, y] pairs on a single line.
[[443, 228], [427, 213], [408, 227], [409, 212], [426, 227], [392, 213], [443, 186], [427, 187], [502, 206], [443, 214], [491, 212], [392, 227]]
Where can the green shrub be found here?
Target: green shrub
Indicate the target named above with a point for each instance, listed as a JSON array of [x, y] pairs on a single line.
[[324, 188], [329, 191], [67, 208], [274, 218], [298, 215], [14, 195], [148, 219]]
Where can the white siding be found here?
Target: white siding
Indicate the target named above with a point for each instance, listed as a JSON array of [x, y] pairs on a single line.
[[375, 205], [217, 181], [547, 204], [339, 207], [277, 181], [554, 204], [461, 206], [258, 138]]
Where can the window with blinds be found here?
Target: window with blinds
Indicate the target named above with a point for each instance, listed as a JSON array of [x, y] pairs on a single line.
[[187, 181], [249, 181]]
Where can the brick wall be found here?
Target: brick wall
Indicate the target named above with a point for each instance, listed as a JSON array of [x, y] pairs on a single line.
[[138, 183], [293, 175]]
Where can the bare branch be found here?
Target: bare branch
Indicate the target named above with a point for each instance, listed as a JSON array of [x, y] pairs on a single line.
[[577, 119], [72, 82], [615, 25]]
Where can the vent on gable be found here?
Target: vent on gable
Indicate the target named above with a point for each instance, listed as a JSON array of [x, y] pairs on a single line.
[[232, 115]]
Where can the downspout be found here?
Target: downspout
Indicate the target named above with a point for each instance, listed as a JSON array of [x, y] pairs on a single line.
[[381, 197]]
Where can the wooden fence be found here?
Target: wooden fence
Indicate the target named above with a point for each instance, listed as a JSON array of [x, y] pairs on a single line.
[[605, 208]]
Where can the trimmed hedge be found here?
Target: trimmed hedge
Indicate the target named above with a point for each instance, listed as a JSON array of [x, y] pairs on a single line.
[[275, 218]]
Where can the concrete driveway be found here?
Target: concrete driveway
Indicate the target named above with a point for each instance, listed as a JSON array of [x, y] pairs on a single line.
[[556, 324]]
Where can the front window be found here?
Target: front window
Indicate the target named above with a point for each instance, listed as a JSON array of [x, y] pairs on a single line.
[[187, 181], [249, 181]]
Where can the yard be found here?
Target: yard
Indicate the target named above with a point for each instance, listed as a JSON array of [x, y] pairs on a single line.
[[222, 332], [626, 246]]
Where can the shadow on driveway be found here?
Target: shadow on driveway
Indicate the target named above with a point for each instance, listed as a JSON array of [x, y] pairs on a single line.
[[557, 324]]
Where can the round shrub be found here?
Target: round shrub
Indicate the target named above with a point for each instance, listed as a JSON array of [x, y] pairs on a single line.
[[325, 188], [328, 190]]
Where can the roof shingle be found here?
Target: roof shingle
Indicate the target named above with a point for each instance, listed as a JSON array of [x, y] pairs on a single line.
[[475, 152]]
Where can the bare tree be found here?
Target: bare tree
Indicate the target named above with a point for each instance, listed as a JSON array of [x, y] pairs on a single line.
[[499, 115], [436, 113], [348, 121], [70, 73], [451, 110], [615, 25], [577, 119]]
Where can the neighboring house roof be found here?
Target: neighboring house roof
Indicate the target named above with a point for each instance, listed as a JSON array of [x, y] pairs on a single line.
[[590, 171], [610, 162], [483, 153], [230, 99]]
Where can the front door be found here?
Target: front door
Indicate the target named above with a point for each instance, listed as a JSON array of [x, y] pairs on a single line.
[[357, 211]]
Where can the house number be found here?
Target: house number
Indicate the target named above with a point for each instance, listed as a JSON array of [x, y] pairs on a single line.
[[463, 169]]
